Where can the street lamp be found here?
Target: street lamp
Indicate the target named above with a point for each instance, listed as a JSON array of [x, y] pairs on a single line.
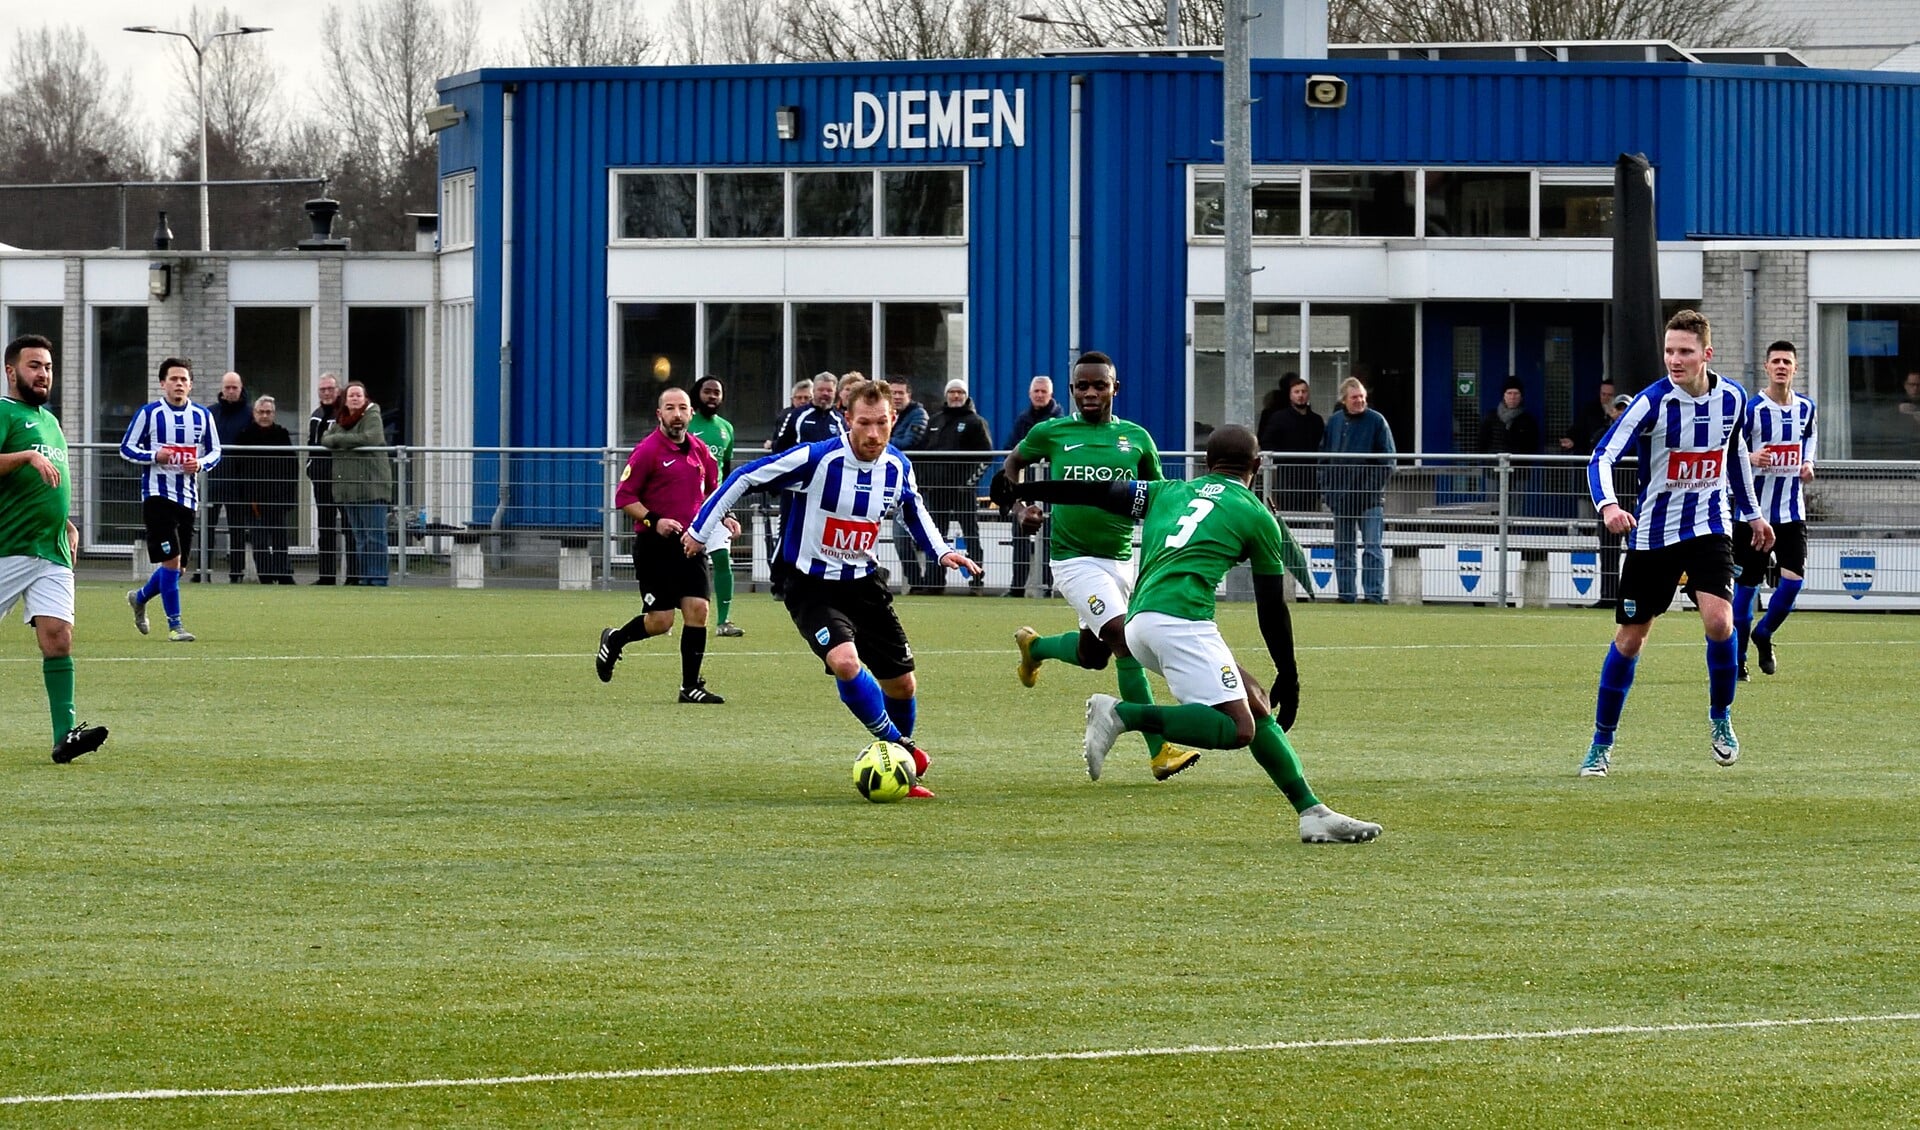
[[200, 74]]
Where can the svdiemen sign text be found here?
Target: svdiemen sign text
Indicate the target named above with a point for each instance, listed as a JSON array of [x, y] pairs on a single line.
[[931, 119]]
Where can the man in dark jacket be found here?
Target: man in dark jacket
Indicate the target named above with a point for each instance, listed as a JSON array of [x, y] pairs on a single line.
[[807, 423], [232, 412], [1356, 490], [1292, 427], [336, 540], [949, 480], [909, 433], [270, 482], [1040, 406], [1510, 427]]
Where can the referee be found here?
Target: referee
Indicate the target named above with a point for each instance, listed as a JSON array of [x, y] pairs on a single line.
[[668, 475]]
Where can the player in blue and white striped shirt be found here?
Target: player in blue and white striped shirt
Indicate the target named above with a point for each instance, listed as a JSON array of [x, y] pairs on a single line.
[[843, 489], [1779, 432], [1686, 430], [173, 439]]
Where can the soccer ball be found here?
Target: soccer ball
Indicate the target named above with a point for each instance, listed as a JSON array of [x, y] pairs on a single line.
[[883, 772]]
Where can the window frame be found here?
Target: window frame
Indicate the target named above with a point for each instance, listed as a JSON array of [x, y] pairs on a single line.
[[875, 237]]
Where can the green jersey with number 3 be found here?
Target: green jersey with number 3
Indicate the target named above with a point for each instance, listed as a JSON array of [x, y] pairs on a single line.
[[33, 515], [1077, 451], [1192, 533]]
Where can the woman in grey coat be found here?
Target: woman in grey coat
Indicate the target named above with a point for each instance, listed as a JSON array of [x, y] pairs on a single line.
[[362, 480]]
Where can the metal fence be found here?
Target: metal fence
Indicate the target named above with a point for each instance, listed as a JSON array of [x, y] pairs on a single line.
[[1468, 529]]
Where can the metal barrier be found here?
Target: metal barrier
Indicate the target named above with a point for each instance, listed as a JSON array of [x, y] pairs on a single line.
[[1472, 529]]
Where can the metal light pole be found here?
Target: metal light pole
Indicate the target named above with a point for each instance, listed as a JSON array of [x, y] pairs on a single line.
[[1237, 91], [200, 75]]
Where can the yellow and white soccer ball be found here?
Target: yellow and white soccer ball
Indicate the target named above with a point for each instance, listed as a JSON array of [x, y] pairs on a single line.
[[883, 772]]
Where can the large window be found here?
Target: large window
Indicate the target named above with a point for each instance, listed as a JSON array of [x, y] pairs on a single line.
[[125, 382], [456, 211], [46, 321], [656, 350], [1384, 203], [1869, 382], [831, 337], [386, 351], [1372, 342], [745, 349], [272, 353], [913, 203], [922, 342]]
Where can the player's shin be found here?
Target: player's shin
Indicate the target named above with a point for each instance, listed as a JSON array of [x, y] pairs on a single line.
[[868, 703], [723, 585], [1744, 598], [1064, 647], [902, 712], [1134, 688], [1275, 755], [1779, 606], [1723, 675], [693, 650], [58, 674], [1616, 679], [1190, 724], [170, 594]]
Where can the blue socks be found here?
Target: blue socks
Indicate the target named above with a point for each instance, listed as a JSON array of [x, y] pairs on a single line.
[[1779, 606], [902, 711], [869, 704], [1744, 598], [1616, 679], [1723, 670], [167, 582]]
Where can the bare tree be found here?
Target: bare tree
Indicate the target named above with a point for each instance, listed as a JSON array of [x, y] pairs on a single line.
[[724, 31], [242, 90], [829, 30], [63, 117], [586, 33], [383, 58]]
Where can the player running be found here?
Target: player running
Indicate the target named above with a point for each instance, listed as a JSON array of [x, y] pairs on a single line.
[[843, 488], [716, 431], [666, 477], [1191, 534], [172, 440], [1686, 431], [1091, 550], [1779, 434]]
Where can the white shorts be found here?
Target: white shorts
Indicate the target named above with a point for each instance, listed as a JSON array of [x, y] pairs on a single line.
[[47, 587], [720, 540], [1189, 654], [1097, 588]]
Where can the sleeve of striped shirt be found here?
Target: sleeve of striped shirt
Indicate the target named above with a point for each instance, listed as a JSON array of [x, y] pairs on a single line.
[[210, 441], [769, 472], [1807, 434], [1740, 475], [137, 445], [926, 534], [1611, 448]]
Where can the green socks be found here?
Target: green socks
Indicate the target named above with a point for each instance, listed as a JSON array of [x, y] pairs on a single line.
[[1275, 754], [59, 676], [722, 585], [1192, 724], [1064, 647], [1135, 688]]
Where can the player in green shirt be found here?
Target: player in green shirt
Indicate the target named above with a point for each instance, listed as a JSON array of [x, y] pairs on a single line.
[[36, 539], [1091, 550], [716, 431], [1193, 532]]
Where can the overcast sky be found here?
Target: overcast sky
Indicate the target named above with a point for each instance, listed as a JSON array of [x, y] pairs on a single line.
[[293, 46]]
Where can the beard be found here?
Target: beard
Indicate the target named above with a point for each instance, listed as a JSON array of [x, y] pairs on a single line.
[[33, 397]]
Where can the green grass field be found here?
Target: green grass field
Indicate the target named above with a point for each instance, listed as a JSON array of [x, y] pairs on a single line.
[[388, 837]]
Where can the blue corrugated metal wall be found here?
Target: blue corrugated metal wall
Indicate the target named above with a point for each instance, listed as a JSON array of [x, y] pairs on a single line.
[[1832, 155]]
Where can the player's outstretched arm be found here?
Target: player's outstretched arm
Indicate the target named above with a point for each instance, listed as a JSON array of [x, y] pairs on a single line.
[[1124, 497], [1276, 628]]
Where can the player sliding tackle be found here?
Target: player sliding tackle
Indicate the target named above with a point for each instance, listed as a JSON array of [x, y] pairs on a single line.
[[1192, 533], [843, 487]]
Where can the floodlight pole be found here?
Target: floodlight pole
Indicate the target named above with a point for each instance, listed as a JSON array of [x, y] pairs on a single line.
[[200, 82], [1237, 92]]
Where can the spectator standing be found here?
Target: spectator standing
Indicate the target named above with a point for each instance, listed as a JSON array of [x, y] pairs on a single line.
[[811, 422], [1511, 429], [1355, 489], [362, 481], [232, 413], [951, 494], [909, 433], [336, 540], [271, 484], [1040, 406], [1593, 419], [1290, 427]]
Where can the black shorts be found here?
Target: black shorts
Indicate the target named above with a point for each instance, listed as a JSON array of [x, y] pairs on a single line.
[[169, 528], [1648, 577], [830, 613], [667, 575], [1789, 551]]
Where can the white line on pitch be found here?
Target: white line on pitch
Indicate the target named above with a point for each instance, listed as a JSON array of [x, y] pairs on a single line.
[[959, 1060]]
